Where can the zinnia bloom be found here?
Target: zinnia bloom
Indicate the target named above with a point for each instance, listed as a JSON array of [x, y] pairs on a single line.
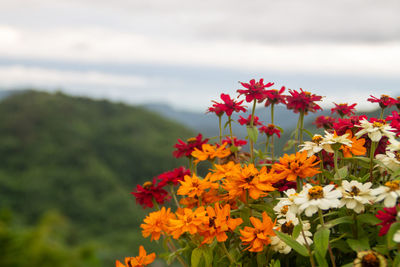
[[173, 177], [312, 198], [193, 186], [209, 152], [148, 192], [156, 223], [273, 96], [388, 217], [384, 101], [375, 130], [324, 122], [343, 109], [142, 260], [188, 221], [394, 121], [229, 106], [302, 101], [219, 223], [236, 142], [342, 125], [247, 121], [260, 235], [357, 146], [254, 90], [356, 195], [369, 258], [296, 165], [186, 149], [270, 130], [389, 193]]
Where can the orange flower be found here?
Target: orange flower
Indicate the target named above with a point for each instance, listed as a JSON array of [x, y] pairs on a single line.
[[156, 223], [206, 198], [139, 261], [258, 236], [296, 165], [249, 179], [209, 152], [187, 221], [357, 146], [219, 223], [193, 186], [225, 170]]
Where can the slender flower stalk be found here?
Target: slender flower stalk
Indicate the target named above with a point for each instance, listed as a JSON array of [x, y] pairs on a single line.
[[272, 139], [251, 126]]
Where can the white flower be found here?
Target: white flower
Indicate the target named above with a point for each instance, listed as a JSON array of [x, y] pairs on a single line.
[[396, 236], [390, 160], [312, 198], [330, 139], [388, 193], [286, 210], [287, 227], [355, 195], [375, 130], [393, 145], [314, 146]]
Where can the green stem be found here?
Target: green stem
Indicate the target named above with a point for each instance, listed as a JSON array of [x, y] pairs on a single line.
[[172, 247], [174, 196], [272, 112], [230, 127], [272, 139], [321, 219], [220, 129], [382, 111], [231, 260], [251, 126], [266, 145], [299, 184], [335, 160], [371, 162], [301, 127], [321, 166]]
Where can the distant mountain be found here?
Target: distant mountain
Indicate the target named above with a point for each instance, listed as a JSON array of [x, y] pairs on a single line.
[[83, 157]]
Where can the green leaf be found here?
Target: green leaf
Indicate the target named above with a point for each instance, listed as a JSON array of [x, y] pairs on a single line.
[[345, 219], [321, 241], [302, 250], [196, 257], [261, 259], [208, 256], [310, 134], [359, 244], [392, 230], [342, 172], [296, 231], [234, 148], [277, 263], [252, 132], [368, 219], [321, 260], [289, 145], [348, 265], [396, 261], [279, 128]]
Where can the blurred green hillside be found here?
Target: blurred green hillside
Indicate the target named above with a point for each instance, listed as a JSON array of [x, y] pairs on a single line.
[[80, 159]]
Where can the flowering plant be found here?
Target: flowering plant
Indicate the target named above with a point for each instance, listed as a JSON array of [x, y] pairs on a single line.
[[334, 201]]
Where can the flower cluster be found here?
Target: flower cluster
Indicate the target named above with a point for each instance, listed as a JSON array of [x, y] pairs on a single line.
[[334, 200]]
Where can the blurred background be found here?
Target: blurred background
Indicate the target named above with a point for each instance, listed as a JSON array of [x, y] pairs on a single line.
[[94, 95]]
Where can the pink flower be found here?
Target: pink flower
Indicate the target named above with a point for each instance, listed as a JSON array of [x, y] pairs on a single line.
[[186, 149], [254, 90], [270, 130], [325, 122], [247, 121], [388, 217], [148, 192], [384, 102], [302, 101], [343, 109], [236, 142], [229, 106], [274, 96], [173, 177]]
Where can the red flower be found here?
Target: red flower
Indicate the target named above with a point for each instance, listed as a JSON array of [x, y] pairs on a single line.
[[236, 142], [384, 102], [247, 121], [229, 105], [284, 185], [173, 177], [343, 109], [255, 90], [388, 216], [216, 108], [302, 101], [149, 191], [270, 130], [345, 124], [274, 96], [394, 121], [186, 149], [325, 122]]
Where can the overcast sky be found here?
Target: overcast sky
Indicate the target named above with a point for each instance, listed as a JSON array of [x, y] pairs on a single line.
[[186, 53]]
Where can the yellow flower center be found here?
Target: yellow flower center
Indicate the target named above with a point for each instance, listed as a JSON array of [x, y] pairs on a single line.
[[370, 260], [307, 93], [393, 185], [284, 209], [192, 140], [147, 184], [354, 191], [379, 123], [317, 139], [316, 192], [397, 155], [287, 228]]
